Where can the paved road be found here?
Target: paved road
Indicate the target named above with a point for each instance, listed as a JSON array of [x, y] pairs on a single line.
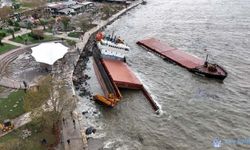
[[7, 39]]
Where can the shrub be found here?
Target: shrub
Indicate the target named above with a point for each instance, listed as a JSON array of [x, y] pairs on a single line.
[[37, 34], [2, 34], [19, 37], [10, 22], [71, 42], [29, 25], [16, 28], [75, 34], [16, 24]]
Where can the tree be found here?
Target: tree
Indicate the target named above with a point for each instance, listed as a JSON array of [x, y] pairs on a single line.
[[34, 99], [60, 99], [107, 10], [15, 5], [43, 22], [2, 35], [5, 12], [37, 34], [53, 95], [84, 24], [29, 25], [12, 32], [65, 21]]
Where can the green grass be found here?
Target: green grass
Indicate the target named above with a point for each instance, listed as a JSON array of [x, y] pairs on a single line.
[[88, 27], [48, 30], [75, 34], [70, 43], [1, 89], [5, 31], [7, 109], [31, 40], [6, 47], [13, 140]]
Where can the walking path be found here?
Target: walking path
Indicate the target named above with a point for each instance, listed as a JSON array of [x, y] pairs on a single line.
[[63, 36], [7, 39]]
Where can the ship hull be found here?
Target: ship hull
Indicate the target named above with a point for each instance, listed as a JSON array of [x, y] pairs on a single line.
[[183, 59]]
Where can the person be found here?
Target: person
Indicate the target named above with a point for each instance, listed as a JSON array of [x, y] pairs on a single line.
[[68, 141], [44, 141], [205, 64], [63, 121], [74, 123]]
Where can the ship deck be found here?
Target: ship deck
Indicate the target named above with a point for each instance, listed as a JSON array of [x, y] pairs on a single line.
[[121, 75], [167, 52]]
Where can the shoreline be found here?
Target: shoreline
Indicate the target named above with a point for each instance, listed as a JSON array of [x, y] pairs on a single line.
[[78, 78]]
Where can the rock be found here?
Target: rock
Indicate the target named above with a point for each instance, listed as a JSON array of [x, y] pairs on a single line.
[[90, 130], [140, 139], [84, 112]]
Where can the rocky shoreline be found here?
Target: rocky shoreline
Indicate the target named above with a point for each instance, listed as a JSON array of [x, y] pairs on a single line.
[[79, 78]]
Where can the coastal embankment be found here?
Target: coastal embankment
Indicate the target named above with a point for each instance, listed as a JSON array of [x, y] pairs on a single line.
[[84, 49]]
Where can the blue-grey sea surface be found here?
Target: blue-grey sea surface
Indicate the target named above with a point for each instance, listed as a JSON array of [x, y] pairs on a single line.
[[194, 110]]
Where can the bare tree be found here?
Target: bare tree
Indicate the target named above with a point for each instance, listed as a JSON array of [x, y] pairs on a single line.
[[65, 21], [12, 32], [84, 23], [5, 12]]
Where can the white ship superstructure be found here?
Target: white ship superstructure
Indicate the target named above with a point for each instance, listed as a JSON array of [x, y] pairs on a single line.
[[112, 48]]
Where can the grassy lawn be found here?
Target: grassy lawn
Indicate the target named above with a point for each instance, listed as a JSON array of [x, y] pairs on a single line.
[[5, 31], [6, 47], [14, 140], [75, 34], [31, 40], [70, 43], [1, 89], [12, 106], [41, 125], [48, 30]]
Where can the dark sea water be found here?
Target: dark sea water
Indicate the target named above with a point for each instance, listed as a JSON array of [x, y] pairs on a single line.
[[194, 110]]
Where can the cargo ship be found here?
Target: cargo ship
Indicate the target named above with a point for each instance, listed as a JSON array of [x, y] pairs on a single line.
[[113, 72], [184, 59]]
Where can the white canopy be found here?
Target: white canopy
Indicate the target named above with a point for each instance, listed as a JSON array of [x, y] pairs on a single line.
[[49, 53]]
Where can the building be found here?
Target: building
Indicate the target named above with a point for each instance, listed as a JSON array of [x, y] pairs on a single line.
[[69, 7]]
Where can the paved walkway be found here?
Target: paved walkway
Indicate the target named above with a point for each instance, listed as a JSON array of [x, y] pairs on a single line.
[[7, 39], [64, 36], [7, 82]]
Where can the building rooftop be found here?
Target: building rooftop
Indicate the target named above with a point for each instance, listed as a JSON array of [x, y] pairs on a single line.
[[76, 6], [67, 10]]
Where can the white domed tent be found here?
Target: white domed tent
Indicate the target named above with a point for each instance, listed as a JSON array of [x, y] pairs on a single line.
[[49, 53]]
